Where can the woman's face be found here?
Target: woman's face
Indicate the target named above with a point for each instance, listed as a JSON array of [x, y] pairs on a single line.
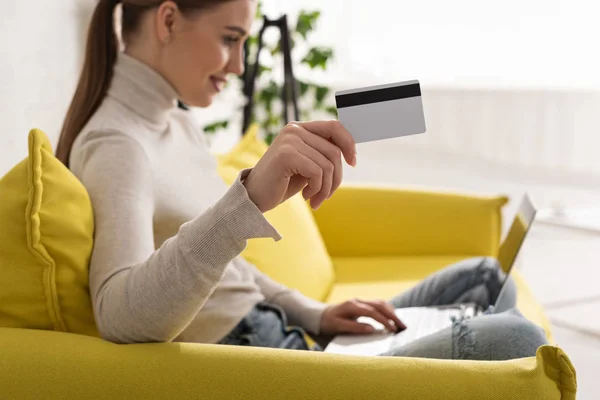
[[199, 51]]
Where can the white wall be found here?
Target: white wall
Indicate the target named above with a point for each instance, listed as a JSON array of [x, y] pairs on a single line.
[[501, 87], [509, 43], [40, 48]]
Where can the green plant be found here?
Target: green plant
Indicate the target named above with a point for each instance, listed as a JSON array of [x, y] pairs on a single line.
[[312, 97]]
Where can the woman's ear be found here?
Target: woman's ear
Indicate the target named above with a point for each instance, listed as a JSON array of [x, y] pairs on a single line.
[[165, 20]]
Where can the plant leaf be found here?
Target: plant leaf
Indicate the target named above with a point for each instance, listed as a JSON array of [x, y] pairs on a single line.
[[332, 110], [303, 86], [269, 93], [252, 41], [216, 126], [277, 48], [259, 13], [318, 57], [262, 69], [321, 93], [306, 22], [273, 121], [270, 137]]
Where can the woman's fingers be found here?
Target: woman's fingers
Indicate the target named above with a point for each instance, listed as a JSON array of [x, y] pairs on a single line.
[[388, 311], [350, 326], [304, 156], [327, 168], [337, 134], [366, 310], [324, 153], [306, 167], [296, 184], [328, 150]]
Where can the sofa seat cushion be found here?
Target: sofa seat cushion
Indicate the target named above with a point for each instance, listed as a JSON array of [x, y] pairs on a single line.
[[385, 277]]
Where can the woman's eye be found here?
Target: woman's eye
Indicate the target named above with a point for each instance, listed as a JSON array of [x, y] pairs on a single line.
[[230, 40]]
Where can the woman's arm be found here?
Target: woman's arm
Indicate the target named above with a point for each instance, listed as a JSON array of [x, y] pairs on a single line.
[[143, 295]]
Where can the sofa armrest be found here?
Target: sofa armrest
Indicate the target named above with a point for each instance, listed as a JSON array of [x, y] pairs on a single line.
[[362, 221], [42, 364]]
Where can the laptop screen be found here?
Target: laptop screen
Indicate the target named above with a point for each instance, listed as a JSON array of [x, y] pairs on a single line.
[[516, 235], [509, 250]]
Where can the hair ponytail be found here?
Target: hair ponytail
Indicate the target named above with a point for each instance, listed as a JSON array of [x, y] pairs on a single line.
[[100, 56]]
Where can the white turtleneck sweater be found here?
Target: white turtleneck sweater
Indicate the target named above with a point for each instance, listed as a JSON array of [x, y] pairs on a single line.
[[165, 265]]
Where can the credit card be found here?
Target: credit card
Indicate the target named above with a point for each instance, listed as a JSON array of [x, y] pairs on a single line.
[[382, 112]]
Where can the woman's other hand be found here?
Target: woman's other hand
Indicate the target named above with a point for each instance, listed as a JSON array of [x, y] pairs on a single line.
[[342, 318], [304, 156]]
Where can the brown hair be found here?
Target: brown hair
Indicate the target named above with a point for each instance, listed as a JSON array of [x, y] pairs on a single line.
[[100, 56]]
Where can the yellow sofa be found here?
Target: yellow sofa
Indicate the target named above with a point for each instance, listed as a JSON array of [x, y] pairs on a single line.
[[377, 242], [397, 237]]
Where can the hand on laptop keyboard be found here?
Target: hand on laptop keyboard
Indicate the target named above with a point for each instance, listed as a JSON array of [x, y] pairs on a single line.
[[360, 317]]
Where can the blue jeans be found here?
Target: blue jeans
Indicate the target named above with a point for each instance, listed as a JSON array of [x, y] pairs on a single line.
[[501, 334], [266, 326]]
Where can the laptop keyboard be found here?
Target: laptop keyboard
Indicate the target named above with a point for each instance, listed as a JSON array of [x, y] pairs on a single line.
[[421, 322]]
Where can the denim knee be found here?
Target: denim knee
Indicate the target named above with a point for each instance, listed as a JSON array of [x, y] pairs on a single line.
[[520, 330], [503, 336]]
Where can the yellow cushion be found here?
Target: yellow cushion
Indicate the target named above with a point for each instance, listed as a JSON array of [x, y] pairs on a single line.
[[46, 234], [385, 277], [300, 260]]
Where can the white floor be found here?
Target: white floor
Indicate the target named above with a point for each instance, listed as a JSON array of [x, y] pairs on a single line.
[[560, 264]]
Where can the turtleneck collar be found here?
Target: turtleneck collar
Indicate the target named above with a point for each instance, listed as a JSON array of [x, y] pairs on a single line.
[[143, 90]]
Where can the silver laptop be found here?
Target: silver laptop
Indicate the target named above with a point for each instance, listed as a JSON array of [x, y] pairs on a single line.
[[423, 321]]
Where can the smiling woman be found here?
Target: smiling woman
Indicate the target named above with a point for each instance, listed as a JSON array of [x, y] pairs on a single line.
[[166, 262], [197, 75]]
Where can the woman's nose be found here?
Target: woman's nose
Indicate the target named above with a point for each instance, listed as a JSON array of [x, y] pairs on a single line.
[[236, 63]]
